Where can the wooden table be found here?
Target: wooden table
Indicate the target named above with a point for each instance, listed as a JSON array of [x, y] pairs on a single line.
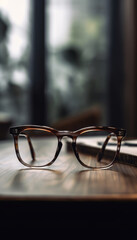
[[65, 191]]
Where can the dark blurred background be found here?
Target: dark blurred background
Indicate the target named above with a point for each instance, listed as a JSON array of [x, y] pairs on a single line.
[[68, 63]]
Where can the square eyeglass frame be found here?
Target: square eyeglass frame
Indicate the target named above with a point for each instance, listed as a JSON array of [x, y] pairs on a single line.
[[17, 130]]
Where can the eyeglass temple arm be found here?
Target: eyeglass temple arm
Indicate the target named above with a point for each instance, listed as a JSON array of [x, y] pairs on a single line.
[[100, 154], [30, 146]]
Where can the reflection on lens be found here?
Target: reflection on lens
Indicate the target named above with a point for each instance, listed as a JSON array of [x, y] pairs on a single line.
[[37, 147], [97, 148]]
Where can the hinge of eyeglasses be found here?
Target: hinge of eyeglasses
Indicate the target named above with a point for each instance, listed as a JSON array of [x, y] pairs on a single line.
[[120, 133], [14, 131]]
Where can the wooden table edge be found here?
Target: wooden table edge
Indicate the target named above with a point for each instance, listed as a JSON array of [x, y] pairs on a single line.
[[98, 198]]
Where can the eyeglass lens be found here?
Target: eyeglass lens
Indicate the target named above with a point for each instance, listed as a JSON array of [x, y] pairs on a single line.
[[37, 147], [97, 148]]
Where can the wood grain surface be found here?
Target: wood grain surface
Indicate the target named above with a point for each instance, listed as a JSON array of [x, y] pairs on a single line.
[[65, 180]]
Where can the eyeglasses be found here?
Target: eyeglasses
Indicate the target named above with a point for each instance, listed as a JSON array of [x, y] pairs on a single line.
[[94, 147]]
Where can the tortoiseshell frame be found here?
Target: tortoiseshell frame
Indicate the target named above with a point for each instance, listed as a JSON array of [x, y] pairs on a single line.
[[119, 133]]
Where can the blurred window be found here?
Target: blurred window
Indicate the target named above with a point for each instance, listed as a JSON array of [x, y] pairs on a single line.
[[77, 57], [14, 59], [77, 44]]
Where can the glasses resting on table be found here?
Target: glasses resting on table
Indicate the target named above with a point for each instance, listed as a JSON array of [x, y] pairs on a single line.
[[39, 146]]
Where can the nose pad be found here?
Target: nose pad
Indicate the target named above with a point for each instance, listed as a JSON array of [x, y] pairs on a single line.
[[58, 149]]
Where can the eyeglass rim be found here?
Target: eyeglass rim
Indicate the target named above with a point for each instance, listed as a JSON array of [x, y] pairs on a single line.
[[16, 130]]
